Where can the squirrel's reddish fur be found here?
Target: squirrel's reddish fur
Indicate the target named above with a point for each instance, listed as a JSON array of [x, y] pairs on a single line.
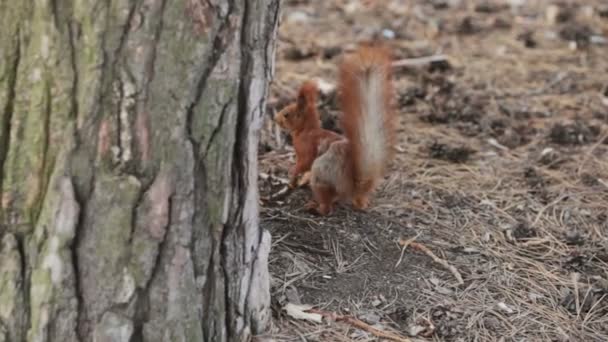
[[301, 119], [349, 167]]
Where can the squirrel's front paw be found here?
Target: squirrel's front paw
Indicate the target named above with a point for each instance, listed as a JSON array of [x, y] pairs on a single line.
[[361, 202], [305, 179]]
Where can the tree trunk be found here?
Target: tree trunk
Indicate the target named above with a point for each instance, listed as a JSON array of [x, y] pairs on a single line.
[[128, 153]]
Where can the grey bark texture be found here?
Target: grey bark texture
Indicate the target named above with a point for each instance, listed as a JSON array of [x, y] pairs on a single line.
[[128, 154]]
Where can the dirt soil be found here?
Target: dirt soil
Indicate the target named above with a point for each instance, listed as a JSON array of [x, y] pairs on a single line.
[[501, 171]]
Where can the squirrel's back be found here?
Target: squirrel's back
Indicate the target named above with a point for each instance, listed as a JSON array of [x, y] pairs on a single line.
[[365, 97]]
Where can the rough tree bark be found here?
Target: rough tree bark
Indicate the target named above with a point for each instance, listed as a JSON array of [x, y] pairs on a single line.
[[128, 146]]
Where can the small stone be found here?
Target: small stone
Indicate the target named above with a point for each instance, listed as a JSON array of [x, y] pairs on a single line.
[[548, 156], [388, 34]]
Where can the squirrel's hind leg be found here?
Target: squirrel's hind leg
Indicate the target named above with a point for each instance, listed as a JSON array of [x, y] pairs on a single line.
[[325, 197], [361, 202], [363, 189]]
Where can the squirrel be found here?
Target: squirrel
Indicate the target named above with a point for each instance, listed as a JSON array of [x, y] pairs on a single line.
[[349, 167], [301, 119]]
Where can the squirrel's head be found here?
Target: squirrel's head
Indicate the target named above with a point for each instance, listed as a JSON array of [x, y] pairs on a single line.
[[302, 112]]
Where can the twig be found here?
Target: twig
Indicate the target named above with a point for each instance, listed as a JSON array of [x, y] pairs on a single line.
[[308, 249], [419, 61], [277, 195], [284, 191], [266, 176], [574, 277], [536, 242], [404, 244], [357, 323], [438, 260]]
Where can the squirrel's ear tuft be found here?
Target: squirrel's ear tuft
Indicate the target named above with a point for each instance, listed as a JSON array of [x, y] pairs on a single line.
[[302, 101], [307, 95]]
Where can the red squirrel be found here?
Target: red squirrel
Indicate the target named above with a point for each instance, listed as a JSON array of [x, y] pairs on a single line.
[[350, 167], [301, 119]]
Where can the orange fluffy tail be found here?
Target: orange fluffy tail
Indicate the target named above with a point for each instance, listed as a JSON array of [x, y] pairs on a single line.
[[367, 119]]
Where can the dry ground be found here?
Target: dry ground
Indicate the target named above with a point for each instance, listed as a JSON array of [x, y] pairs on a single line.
[[501, 170]]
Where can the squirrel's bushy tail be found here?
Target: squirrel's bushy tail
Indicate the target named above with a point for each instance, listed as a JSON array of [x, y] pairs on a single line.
[[365, 97]]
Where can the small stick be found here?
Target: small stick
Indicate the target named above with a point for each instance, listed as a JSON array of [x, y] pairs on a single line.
[[404, 244], [266, 176], [419, 61], [438, 260], [536, 242], [574, 277], [284, 191], [279, 194], [361, 325]]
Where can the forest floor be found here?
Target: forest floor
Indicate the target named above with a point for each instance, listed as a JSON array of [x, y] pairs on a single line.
[[501, 171]]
